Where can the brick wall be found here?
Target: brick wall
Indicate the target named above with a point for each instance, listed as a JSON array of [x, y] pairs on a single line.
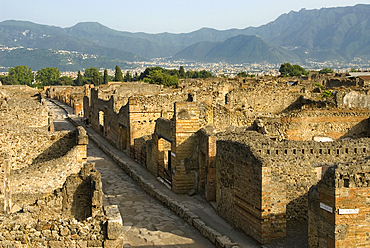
[[264, 181], [339, 206]]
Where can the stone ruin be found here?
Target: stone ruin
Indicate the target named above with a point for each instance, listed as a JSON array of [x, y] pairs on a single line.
[[49, 195], [250, 145]]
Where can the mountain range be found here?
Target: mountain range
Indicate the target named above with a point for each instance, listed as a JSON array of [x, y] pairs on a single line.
[[327, 34]]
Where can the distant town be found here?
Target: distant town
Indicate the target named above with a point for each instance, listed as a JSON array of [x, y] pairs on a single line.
[[224, 69]]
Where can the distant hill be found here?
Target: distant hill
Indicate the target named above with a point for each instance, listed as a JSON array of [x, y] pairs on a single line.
[[64, 61], [327, 34], [342, 33], [238, 49]]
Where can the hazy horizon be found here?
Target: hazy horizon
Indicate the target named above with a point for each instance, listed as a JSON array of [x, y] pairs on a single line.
[[160, 16]]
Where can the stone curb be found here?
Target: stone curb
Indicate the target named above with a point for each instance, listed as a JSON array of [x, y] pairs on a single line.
[[191, 218]]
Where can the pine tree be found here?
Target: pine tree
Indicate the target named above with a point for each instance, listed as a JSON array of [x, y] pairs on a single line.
[[118, 77]]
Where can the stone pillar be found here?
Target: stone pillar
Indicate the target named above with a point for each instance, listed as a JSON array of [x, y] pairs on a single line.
[[97, 194], [81, 147], [50, 122]]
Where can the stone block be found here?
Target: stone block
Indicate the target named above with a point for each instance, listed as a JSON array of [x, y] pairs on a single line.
[[114, 229], [56, 244], [189, 217], [198, 224], [114, 222], [81, 244], [223, 242], [114, 243], [94, 243]]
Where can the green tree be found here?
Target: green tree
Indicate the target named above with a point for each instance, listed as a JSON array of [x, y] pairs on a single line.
[[20, 75], [181, 72], [93, 76], [65, 80], [118, 77], [354, 70], [326, 70], [48, 76], [135, 77], [242, 74], [162, 78], [79, 80], [199, 74], [106, 77], [127, 77], [289, 70]]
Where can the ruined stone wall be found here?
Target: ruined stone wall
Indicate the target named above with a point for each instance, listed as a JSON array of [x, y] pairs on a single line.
[[300, 165], [332, 82], [133, 120], [305, 125], [356, 99], [186, 125], [248, 193], [282, 172], [50, 169], [263, 98], [60, 219], [207, 162], [338, 210], [71, 95]]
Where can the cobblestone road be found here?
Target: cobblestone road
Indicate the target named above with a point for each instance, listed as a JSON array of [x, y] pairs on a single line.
[[147, 222]]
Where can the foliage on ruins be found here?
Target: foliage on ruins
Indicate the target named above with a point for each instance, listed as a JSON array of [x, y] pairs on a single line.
[[327, 93], [289, 70]]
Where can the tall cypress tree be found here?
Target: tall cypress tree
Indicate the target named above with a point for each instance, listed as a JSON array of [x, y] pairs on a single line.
[[79, 81], [105, 76], [181, 72], [118, 77]]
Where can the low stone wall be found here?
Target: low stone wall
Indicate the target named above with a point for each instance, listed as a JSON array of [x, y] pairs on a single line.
[[49, 170]]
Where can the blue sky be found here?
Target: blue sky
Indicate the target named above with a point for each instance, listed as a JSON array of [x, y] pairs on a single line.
[[156, 16]]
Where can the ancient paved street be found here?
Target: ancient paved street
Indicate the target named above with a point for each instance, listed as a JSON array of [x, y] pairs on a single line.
[[147, 222]]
